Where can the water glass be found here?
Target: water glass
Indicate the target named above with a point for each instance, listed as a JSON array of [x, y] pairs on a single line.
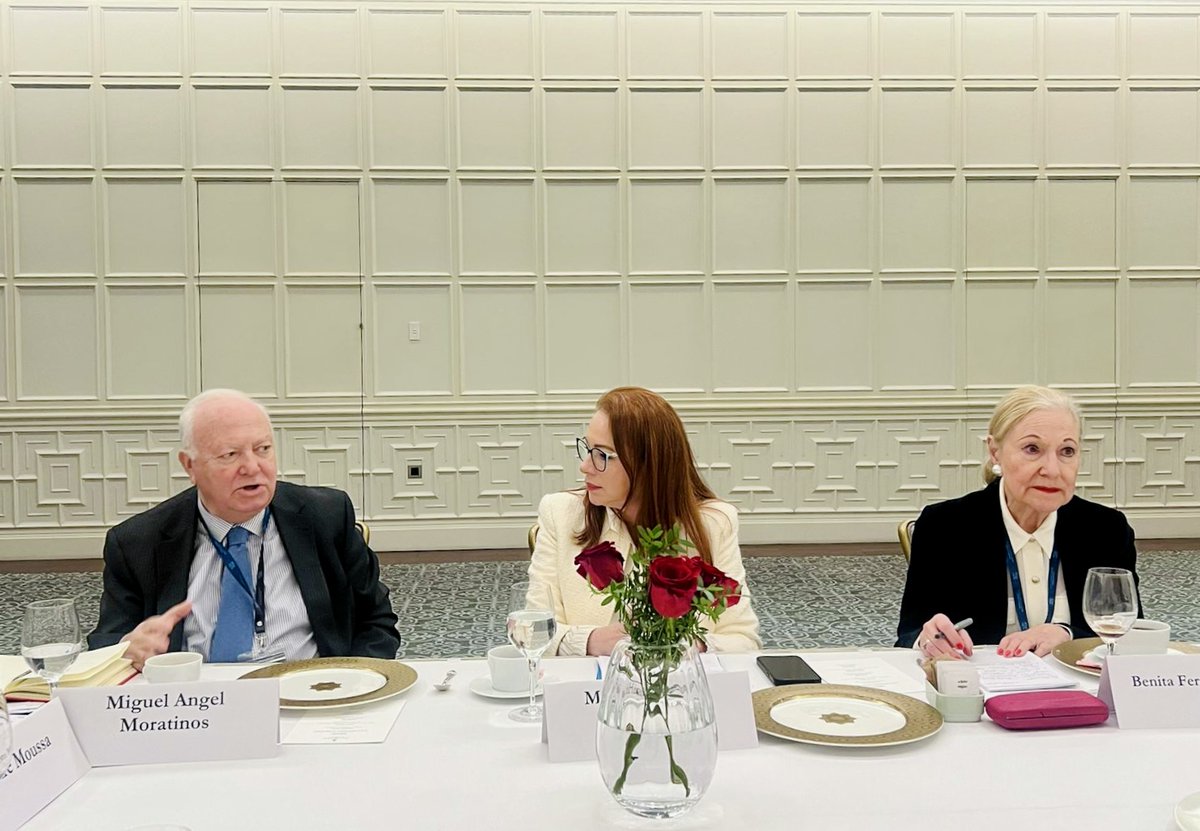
[[50, 639], [1110, 603], [530, 627]]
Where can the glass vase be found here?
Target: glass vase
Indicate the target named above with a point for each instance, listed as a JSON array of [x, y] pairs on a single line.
[[656, 736]]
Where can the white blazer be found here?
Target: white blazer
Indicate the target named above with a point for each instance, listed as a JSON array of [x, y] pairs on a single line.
[[577, 608]]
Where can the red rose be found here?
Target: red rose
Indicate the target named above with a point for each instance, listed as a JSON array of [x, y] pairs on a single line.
[[600, 565], [673, 584], [713, 577]]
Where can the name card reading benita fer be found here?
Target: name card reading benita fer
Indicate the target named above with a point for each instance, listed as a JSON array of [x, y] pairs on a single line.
[[46, 760], [1152, 690], [189, 722]]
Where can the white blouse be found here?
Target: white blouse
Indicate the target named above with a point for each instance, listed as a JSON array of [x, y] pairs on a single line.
[[1033, 567], [578, 610]]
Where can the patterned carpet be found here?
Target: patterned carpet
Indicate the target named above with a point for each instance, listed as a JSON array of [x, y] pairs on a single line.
[[456, 609]]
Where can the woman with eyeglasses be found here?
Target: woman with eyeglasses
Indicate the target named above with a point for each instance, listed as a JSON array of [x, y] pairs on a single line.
[[638, 470]]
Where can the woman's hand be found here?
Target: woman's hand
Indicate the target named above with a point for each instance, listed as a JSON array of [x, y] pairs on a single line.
[[954, 643], [1040, 640], [603, 638]]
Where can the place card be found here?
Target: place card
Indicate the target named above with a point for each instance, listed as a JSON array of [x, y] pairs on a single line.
[[199, 721], [569, 719], [734, 709], [570, 707], [46, 760], [1152, 690]]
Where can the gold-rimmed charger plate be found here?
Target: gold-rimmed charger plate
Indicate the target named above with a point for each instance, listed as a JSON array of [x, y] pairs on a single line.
[[1071, 651], [325, 683], [843, 716]]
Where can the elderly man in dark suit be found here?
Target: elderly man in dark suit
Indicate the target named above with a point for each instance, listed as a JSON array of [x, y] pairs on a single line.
[[241, 566]]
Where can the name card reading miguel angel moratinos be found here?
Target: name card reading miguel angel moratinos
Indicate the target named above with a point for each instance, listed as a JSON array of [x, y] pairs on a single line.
[[198, 721], [1152, 690]]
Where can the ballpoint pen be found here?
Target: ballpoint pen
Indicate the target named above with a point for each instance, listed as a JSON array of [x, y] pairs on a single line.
[[962, 624]]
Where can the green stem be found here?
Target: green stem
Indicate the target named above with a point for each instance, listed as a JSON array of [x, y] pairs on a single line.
[[630, 744], [654, 675], [677, 774]]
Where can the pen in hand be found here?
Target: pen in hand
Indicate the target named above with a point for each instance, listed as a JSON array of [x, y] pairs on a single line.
[[962, 624]]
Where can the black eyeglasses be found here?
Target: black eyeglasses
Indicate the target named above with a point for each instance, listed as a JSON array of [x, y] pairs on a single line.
[[599, 457]]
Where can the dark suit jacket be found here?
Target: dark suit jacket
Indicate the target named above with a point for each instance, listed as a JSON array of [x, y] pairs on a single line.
[[147, 559], [958, 562]]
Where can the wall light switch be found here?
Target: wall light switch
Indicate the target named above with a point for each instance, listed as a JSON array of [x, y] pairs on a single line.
[[414, 330]]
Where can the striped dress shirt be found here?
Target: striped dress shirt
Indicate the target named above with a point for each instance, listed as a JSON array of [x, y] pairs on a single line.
[[287, 624]]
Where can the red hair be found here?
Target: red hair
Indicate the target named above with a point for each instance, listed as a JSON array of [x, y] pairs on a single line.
[[663, 481]]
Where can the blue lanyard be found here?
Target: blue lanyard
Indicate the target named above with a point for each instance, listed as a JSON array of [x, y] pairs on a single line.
[[258, 594], [1019, 596]]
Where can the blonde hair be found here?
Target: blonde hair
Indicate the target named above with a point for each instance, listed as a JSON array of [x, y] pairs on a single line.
[[1021, 402]]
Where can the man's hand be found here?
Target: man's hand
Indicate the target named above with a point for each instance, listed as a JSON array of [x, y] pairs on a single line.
[[153, 635]]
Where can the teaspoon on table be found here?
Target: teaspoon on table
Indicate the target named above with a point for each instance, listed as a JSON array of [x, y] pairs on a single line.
[[445, 685]]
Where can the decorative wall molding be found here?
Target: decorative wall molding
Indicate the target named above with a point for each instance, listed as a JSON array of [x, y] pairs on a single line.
[[430, 234], [476, 482]]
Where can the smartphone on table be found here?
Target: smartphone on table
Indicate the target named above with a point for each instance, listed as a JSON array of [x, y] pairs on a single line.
[[787, 669]]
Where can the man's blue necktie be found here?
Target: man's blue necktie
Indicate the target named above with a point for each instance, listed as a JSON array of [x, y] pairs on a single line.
[[234, 631]]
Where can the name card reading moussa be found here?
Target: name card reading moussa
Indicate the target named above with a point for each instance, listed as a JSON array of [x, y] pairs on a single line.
[[46, 760], [188, 722], [1152, 690]]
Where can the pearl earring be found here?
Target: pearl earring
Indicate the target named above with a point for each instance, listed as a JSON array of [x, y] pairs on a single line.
[[996, 469]]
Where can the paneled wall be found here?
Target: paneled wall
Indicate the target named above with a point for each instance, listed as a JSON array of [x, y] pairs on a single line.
[[428, 234]]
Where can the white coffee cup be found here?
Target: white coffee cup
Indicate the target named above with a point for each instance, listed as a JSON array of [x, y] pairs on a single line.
[[509, 669], [173, 667], [1145, 637]]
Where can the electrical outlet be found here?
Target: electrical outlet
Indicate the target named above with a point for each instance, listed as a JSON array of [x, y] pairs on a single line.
[[414, 330]]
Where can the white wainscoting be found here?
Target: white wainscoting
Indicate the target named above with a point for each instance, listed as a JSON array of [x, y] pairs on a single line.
[[428, 235]]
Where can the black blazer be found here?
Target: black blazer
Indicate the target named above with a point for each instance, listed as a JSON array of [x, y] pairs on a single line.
[[958, 562], [147, 559]]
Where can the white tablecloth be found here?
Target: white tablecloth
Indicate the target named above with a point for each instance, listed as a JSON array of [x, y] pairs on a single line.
[[454, 761]]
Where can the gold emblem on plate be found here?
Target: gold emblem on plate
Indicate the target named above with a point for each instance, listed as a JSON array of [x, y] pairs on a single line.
[[838, 718], [326, 686]]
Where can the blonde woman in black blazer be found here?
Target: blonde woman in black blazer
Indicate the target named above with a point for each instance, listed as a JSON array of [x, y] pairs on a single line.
[[961, 566]]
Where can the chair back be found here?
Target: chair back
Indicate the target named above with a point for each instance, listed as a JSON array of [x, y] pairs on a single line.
[[365, 530], [905, 532], [533, 532]]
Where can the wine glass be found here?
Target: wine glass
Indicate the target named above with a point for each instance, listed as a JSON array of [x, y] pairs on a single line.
[[530, 628], [50, 640], [1110, 603]]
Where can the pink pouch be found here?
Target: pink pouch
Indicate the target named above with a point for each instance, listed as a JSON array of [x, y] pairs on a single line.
[[1041, 710]]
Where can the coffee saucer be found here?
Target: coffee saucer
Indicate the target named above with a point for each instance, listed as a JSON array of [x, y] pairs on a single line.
[[1187, 813], [1094, 659], [483, 686]]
